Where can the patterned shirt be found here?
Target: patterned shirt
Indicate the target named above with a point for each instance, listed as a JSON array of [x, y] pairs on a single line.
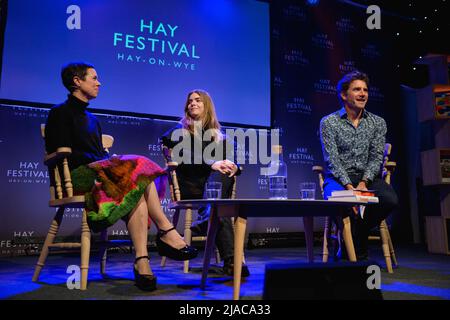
[[353, 151]]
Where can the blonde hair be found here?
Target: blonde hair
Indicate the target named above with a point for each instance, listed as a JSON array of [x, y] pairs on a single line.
[[209, 118]]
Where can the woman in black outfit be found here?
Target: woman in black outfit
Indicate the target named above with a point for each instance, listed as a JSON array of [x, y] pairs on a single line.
[[124, 187], [195, 169]]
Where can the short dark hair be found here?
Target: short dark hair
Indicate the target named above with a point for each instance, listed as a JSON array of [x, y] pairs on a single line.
[[347, 79], [74, 69]]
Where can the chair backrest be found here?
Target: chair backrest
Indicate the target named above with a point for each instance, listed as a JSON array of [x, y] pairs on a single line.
[[107, 140], [58, 168], [175, 194], [171, 165], [387, 167]]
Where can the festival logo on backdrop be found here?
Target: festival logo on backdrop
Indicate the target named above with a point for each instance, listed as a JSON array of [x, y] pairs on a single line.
[[345, 25], [370, 51], [123, 120], [273, 229], [324, 86], [293, 12], [119, 232], [298, 105], [72, 213], [23, 234], [321, 40], [22, 242], [347, 66], [154, 150], [29, 172], [296, 57], [275, 33], [6, 246], [279, 131], [277, 81], [165, 206], [28, 112], [263, 183], [301, 155], [242, 152], [375, 94], [156, 44]]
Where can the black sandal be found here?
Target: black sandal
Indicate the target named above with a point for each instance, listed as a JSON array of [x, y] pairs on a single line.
[[145, 282], [165, 250]]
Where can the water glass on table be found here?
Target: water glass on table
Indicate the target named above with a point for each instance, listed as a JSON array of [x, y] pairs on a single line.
[[213, 190], [308, 191]]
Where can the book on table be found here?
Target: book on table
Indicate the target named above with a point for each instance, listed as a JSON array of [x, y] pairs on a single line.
[[355, 192], [354, 195]]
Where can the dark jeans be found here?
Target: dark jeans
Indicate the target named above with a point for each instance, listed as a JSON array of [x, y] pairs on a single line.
[[373, 214], [225, 234]]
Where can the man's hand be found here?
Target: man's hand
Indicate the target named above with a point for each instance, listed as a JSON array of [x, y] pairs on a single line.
[[225, 167], [362, 186], [349, 187]]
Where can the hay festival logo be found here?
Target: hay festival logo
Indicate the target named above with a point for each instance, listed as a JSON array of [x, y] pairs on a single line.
[[27, 172], [156, 44]]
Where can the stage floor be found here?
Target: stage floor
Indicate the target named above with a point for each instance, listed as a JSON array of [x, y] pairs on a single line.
[[420, 276]]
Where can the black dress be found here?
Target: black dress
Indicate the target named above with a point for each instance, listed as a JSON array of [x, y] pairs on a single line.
[[192, 178]]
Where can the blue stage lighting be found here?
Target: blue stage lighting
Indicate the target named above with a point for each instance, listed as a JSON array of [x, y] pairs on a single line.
[[312, 2]]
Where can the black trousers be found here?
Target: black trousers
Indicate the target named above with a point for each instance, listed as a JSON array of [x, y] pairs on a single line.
[[373, 214], [225, 234]]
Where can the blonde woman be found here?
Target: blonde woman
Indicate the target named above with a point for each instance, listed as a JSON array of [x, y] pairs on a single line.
[[196, 167]]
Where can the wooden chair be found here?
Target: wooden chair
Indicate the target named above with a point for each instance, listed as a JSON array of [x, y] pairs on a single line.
[[343, 230], [175, 195], [62, 197]]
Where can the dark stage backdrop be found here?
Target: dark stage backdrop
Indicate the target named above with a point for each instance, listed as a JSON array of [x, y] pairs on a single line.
[[311, 49]]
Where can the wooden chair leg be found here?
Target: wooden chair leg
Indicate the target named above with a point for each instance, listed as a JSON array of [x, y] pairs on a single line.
[[385, 246], [234, 229], [53, 230], [176, 217], [217, 256], [103, 252], [391, 247], [163, 261], [308, 225], [239, 237], [187, 235], [85, 250], [326, 236], [348, 240], [213, 225]]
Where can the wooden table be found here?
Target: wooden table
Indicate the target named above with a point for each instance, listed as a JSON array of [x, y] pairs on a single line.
[[241, 209]]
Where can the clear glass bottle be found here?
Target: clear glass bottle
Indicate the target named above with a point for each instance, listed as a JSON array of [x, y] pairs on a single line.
[[278, 175]]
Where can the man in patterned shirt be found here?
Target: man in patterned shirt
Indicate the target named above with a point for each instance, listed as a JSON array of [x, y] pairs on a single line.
[[353, 142]]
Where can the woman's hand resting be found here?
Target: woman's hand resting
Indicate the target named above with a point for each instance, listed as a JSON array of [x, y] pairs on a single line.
[[225, 167]]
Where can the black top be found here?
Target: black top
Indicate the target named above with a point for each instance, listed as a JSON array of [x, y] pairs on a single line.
[[70, 125], [192, 176]]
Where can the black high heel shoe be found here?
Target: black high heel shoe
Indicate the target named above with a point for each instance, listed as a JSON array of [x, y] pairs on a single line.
[[145, 282], [165, 250]]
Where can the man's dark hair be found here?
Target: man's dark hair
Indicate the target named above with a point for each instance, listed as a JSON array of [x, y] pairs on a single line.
[[74, 69], [344, 83]]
